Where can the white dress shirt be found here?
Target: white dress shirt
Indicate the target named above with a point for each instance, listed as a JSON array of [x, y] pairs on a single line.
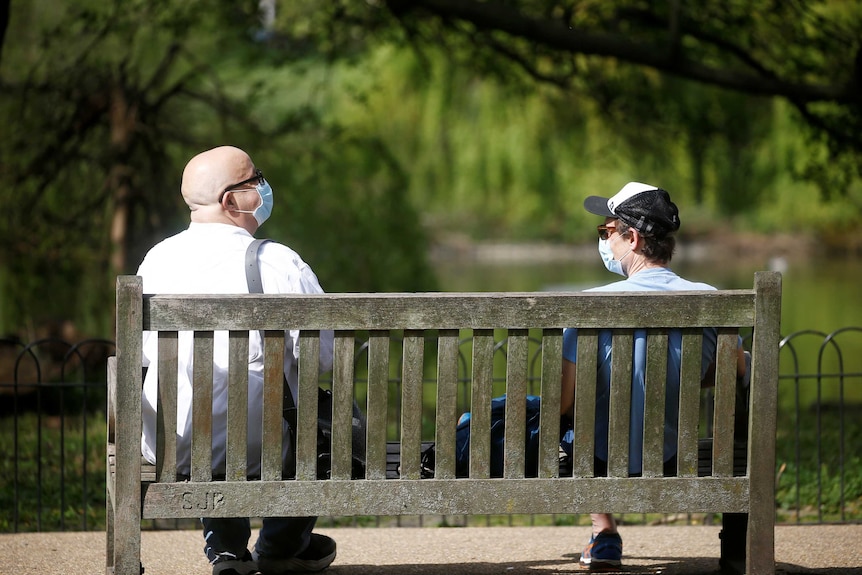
[[209, 259]]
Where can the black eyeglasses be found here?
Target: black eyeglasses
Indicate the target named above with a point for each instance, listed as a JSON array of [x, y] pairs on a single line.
[[256, 178], [606, 231]]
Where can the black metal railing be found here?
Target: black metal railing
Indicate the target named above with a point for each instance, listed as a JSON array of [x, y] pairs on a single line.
[[52, 431], [822, 375]]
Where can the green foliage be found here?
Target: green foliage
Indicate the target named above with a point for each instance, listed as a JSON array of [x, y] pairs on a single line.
[[384, 127], [490, 160], [341, 205], [101, 87], [39, 480], [804, 52], [809, 459], [120, 96]]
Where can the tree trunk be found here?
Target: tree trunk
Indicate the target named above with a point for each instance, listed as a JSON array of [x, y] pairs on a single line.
[[123, 118]]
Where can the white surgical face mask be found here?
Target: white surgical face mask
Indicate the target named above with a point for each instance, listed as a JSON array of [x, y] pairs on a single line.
[[262, 212], [607, 254]]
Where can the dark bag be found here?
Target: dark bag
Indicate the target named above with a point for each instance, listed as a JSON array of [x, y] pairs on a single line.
[[498, 439], [324, 435], [324, 402]]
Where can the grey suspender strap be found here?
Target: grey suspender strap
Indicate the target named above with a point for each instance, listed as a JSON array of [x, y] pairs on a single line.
[[252, 276], [252, 270]]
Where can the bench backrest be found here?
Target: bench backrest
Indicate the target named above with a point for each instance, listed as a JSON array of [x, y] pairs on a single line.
[[435, 325]]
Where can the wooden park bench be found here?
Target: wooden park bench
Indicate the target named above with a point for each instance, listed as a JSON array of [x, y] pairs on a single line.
[[420, 338]]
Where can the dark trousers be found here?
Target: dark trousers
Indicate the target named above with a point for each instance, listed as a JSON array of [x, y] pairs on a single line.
[[280, 537]]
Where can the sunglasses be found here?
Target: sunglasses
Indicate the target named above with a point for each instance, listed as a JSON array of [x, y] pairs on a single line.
[[257, 179], [606, 231]]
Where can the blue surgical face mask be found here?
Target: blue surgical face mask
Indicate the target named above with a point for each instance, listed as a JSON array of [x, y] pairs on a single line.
[[607, 254], [262, 212]]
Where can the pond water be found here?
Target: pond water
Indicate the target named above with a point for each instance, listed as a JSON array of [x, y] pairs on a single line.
[[820, 294]]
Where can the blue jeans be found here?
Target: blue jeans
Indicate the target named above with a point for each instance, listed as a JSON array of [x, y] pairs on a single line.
[[280, 537]]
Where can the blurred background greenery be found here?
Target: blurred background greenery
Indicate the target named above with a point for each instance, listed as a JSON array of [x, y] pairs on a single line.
[[420, 145], [395, 131]]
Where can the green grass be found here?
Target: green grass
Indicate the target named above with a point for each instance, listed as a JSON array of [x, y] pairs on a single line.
[[796, 454], [51, 496]]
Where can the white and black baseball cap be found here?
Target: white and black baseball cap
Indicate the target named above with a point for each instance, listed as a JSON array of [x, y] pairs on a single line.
[[646, 208]]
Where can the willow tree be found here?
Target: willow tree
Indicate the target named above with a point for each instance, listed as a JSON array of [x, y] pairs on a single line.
[[707, 71], [808, 52]]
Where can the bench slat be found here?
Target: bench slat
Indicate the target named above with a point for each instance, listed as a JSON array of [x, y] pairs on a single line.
[[725, 402], [236, 456], [549, 434], [583, 447], [411, 403], [342, 404], [273, 404], [202, 413], [654, 403], [166, 427], [516, 403], [447, 310], [378, 402], [306, 403], [620, 404], [689, 402], [481, 393], [447, 393], [448, 497]]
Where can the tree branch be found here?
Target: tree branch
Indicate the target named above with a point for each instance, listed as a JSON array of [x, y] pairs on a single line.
[[4, 23], [556, 35], [561, 81]]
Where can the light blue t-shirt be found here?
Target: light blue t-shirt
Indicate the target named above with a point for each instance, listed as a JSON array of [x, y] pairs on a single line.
[[651, 279]]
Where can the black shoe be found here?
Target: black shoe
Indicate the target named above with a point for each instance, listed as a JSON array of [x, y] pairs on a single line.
[[316, 557], [244, 566]]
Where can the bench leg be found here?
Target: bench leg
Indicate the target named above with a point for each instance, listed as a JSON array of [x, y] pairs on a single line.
[[109, 532], [114, 545], [124, 535], [734, 529]]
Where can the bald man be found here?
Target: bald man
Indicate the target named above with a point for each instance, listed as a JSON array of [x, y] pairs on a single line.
[[229, 200]]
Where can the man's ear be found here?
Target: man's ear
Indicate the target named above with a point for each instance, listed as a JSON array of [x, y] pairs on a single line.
[[635, 239], [228, 202]]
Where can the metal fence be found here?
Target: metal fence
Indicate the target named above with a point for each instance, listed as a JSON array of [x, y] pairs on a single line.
[[819, 474], [52, 433]]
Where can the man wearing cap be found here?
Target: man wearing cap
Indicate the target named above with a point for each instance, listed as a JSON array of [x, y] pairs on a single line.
[[636, 241], [228, 200]]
